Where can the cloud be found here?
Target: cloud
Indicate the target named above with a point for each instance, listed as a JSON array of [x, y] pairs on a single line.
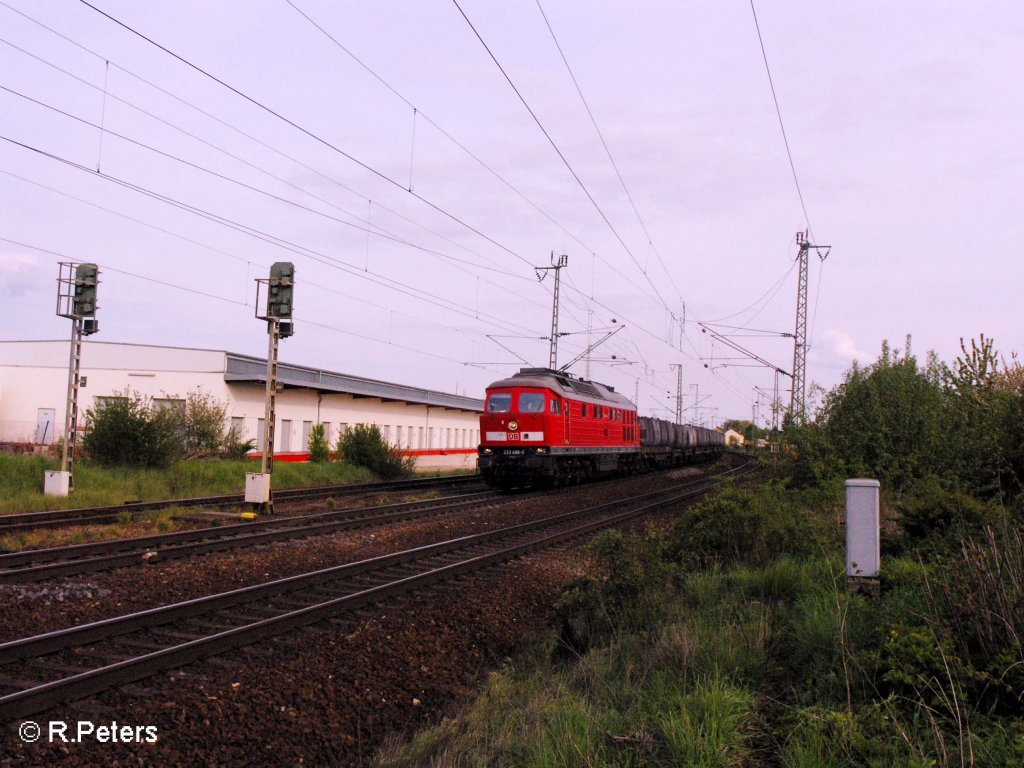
[[837, 350], [19, 273]]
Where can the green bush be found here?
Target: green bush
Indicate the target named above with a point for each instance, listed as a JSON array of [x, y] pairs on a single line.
[[319, 450], [132, 430], [932, 514], [203, 426], [128, 431], [753, 527], [237, 449], [364, 446], [591, 610]]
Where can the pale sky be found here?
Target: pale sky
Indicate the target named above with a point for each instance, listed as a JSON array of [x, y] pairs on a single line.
[[904, 122]]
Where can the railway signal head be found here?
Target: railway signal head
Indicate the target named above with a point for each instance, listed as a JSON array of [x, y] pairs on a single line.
[[86, 281], [280, 290]]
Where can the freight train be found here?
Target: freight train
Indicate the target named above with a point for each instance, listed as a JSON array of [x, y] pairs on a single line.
[[542, 427]]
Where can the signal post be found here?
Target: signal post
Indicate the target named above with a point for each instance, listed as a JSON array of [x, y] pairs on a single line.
[[278, 315], [76, 300]]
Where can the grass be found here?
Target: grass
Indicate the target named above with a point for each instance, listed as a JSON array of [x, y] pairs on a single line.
[[674, 696], [21, 481], [149, 523], [759, 663]]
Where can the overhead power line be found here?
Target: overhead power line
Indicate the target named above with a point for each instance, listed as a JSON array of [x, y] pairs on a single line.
[[611, 159], [368, 229], [274, 240], [236, 302], [448, 135], [305, 131], [782, 127], [226, 124], [558, 151]]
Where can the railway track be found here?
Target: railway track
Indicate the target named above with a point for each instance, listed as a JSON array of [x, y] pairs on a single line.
[[57, 562], [58, 518], [38, 673]]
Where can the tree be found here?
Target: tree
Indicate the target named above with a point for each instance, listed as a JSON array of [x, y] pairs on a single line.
[[887, 420]]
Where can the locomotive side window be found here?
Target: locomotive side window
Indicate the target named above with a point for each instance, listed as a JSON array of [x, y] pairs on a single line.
[[531, 402], [583, 409], [556, 406], [499, 403]]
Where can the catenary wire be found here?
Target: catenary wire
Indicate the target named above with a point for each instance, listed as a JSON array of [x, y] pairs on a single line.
[[600, 135], [307, 132], [459, 144], [226, 124], [236, 302], [380, 232], [782, 127], [558, 151], [653, 335], [263, 236]]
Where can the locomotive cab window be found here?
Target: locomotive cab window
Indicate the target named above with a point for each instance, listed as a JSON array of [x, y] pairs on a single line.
[[531, 402], [499, 403]]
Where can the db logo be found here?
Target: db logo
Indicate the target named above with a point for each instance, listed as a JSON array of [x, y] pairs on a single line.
[[513, 436]]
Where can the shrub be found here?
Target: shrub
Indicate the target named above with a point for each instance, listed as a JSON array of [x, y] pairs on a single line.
[[203, 425], [127, 430], [591, 610], [933, 514], [364, 446], [234, 448], [754, 527], [319, 450]]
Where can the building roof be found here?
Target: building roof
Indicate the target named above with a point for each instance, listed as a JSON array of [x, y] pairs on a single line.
[[254, 369], [236, 368]]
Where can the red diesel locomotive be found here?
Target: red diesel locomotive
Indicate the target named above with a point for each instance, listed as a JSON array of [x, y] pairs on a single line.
[[545, 427]]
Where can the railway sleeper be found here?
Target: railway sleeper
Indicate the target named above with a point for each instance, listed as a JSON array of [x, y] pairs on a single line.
[[250, 615], [46, 664]]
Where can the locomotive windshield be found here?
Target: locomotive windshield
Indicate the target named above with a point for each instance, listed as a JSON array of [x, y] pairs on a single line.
[[531, 402], [499, 403]]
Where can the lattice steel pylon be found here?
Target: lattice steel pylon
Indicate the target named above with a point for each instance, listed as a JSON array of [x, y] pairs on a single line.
[[798, 399], [557, 265]]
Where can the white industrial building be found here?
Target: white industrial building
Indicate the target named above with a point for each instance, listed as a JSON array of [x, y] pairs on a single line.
[[440, 429]]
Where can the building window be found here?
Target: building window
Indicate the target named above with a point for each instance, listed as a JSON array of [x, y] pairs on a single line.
[[261, 433], [327, 432], [163, 403], [102, 401], [238, 428], [307, 428]]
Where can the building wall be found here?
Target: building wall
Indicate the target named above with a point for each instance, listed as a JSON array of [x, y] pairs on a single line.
[[412, 427], [33, 376]]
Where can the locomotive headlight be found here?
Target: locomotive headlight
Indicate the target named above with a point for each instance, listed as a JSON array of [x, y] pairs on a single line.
[[487, 451], [542, 450]]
